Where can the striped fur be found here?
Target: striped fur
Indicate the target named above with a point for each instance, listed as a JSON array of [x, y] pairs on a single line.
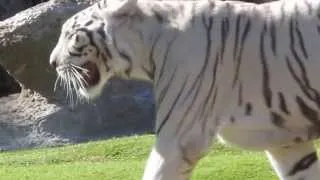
[[243, 72]]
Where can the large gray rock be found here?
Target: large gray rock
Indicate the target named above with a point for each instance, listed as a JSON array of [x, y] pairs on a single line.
[[8, 8]]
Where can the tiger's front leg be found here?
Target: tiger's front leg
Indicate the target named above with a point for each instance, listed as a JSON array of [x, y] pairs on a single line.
[[174, 156], [296, 162]]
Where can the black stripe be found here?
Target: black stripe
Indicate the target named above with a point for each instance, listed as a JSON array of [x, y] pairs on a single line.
[[277, 120], [164, 90], [266, 91], [89, 34], [210, 109], [166, 118], [240, 95], [149, 73], [128, 59], [103, 42], [232, 119], [99, 5], [248, 109], [151, 57], [225, 28], [318, 29], [282, 103], [74, 54], [158, 16], [304, 163], [106, 51], [105, 60], [213, 95], [302, 81], [96, 17], [297, 79], [301, 41], [88, 23], [204, 106], [125, 56], [307, 111], [273, 37], [102, 32], [235, 49], [165, 59], [199, 79], [208, 28], [239, 57], [197, 83]]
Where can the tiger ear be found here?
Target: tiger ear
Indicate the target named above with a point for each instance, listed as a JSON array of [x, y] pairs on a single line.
[[124, 8]]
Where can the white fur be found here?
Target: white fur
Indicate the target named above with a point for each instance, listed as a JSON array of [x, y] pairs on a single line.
[[186, 125]]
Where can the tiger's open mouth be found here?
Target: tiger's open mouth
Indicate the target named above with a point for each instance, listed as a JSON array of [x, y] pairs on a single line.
[[91, 74]]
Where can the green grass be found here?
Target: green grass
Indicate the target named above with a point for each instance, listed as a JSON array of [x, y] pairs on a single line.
[[124, 159]]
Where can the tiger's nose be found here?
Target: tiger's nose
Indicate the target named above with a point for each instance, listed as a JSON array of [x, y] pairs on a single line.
[[53, 64]]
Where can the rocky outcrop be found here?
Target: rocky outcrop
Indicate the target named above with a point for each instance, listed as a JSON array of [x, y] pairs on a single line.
[[10, 7], [8, 85]]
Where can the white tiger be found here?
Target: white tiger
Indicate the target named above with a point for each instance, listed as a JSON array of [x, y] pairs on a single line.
[[247, 73]]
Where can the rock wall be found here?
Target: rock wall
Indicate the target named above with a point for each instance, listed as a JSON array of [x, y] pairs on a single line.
[[10, 7], [8, 85]]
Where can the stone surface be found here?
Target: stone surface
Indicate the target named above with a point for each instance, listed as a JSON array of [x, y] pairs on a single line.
[[8, 85]]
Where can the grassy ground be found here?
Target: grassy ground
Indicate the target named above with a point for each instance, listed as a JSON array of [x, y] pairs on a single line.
[[124, 159]]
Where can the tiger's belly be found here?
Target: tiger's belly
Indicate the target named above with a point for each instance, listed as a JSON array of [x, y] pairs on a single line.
[[253, 125], [253, 136]]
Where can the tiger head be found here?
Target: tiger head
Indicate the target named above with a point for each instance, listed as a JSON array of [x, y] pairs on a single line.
[[95, 45]]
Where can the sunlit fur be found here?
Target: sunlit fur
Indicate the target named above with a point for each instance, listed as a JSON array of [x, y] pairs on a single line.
[[244, 72]]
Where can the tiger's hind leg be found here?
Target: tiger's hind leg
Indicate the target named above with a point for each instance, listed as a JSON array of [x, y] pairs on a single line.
[[296, 162]]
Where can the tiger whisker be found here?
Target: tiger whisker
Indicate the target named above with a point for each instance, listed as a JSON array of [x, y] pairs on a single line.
[[75, 85], [79, 77], [58, 79], [73, 80], [83, 70]]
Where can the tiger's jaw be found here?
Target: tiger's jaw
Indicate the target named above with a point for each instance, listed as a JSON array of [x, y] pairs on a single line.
[[95, 76], [90, 74], [86, 80]]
